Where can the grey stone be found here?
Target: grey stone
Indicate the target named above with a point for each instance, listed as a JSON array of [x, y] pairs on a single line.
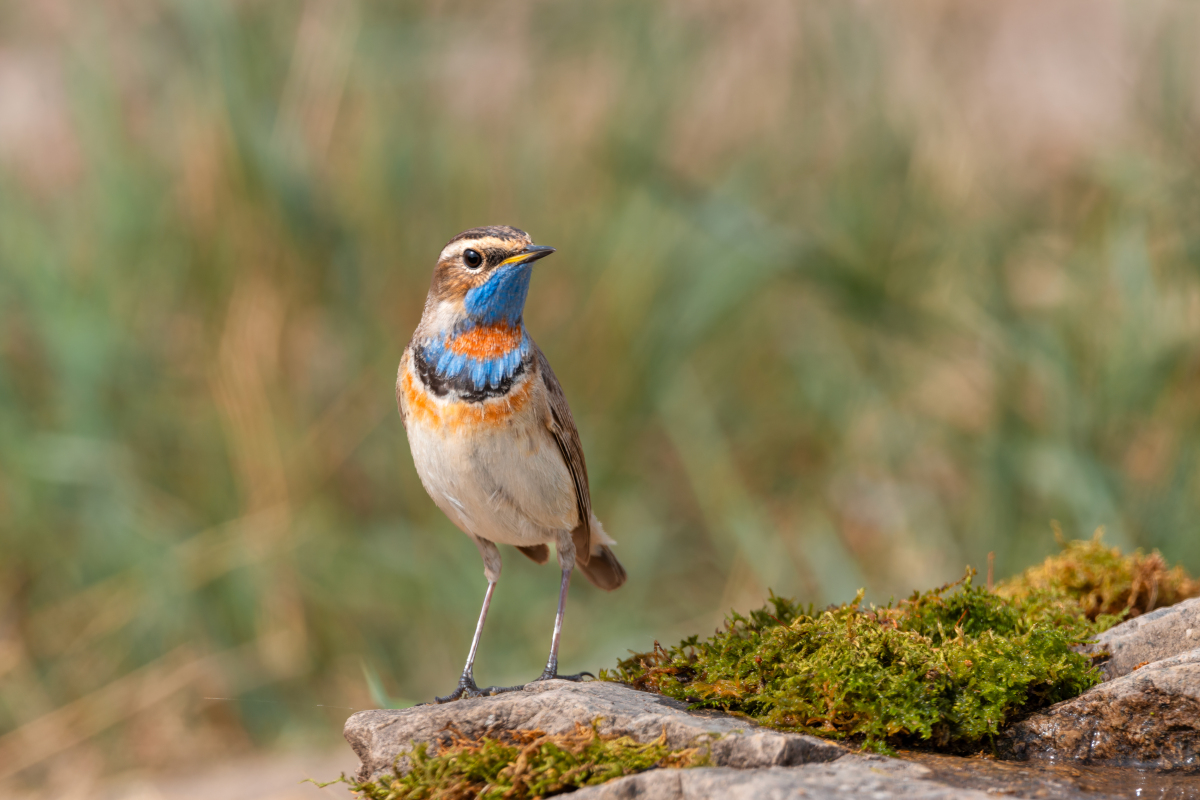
[[556, 706], [753, 762], [1150, 717], [850, 776], [1151, 637]]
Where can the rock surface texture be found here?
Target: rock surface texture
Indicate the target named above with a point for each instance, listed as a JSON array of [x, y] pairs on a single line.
[[849, 776], [1149, 717], [1160, 634], [556, 706], [749, 761]]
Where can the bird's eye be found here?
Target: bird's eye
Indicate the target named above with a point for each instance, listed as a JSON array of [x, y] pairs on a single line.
[[472, 259]]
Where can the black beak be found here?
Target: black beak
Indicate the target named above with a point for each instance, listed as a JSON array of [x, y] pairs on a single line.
[[527, 256], [535, 251]]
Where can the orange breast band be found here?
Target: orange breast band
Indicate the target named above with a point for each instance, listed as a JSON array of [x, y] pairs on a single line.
[[486, 342], [459, 416]]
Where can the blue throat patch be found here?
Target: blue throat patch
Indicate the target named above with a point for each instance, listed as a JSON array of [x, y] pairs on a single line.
[[481, 372], [499, 302], [502, 298]]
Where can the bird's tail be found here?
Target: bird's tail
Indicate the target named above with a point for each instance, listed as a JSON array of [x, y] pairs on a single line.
[[603, 569], [601, 566]]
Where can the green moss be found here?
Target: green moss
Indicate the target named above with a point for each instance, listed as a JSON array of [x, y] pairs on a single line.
[[521, 764], [949, 667], [1107, 585]]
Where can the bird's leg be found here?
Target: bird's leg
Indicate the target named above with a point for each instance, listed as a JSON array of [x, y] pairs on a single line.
[[466, 684], [551, 671], [565, 550]]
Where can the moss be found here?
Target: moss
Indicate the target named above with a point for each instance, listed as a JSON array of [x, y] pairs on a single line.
[[948, 667], [1107, 585], [521, 764]]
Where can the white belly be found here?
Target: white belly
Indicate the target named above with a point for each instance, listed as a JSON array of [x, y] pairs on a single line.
[[507, 484]]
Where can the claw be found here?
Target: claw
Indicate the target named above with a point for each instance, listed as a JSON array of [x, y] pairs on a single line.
[[465, 689], [552, 675], [468, 689], [492, 691]]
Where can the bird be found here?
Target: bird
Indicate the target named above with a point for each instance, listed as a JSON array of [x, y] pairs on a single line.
[[492, 437]]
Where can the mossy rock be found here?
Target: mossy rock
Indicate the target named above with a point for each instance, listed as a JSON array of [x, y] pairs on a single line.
[[949, 667], [1107, 584], [522, 763]]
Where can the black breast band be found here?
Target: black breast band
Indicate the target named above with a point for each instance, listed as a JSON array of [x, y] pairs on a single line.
[[461, 385]]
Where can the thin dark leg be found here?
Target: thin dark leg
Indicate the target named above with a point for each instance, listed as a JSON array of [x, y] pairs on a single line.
[[551, 671], [466, 684]]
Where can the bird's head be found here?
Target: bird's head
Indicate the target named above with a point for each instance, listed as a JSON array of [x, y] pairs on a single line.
[[482, 278]]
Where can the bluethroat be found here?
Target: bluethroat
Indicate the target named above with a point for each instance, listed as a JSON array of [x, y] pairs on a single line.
[[489, 427]]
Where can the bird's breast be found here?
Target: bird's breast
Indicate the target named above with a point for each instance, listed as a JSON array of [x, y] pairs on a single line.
[[487, 342], [490, 464], [474, 361], [459, 404]]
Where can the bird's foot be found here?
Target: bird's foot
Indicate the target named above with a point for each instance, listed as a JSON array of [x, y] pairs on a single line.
[[552, 675], [463, 690], [467, 688]]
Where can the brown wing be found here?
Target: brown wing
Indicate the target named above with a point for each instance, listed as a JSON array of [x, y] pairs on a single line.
[[400, 382], [562, 427]]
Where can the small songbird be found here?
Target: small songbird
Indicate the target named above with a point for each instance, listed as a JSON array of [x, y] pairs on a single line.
[[489, 427]]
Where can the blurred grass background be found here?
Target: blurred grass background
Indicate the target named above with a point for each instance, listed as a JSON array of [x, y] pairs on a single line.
[[846, 295]]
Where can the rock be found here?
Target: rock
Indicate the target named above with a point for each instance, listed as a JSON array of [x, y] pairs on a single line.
[[749, 761], [1061, 780], [1160, 634], [555, 706], [849, 776], [1150, 717]]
